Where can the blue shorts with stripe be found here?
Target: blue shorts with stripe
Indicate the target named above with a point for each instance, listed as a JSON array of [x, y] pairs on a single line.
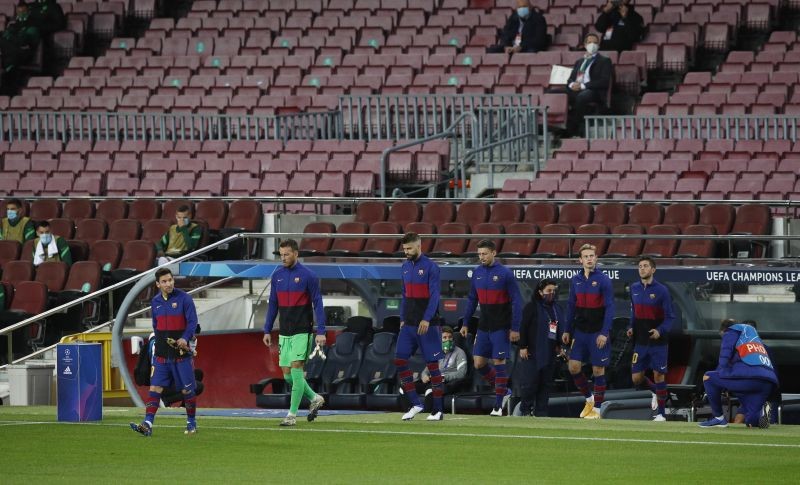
[[178, 374], [584, 349], [430, 343], [649, 357], [495, 345]]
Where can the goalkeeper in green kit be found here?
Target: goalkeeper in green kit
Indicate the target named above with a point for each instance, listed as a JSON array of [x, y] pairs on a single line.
[[293, 292]]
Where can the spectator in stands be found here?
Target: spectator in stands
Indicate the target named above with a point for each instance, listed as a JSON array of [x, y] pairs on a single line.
[[18, 45], [47, 16], [15, 226], [453, 366], [49, 247], [182, 237], [588, 83], [619, 25], [744, 369], [590, 312], [539, 344], [525, 31]]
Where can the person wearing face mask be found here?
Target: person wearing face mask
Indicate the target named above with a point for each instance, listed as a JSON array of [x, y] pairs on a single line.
[[49, 247], [539, 344], [588, 83], [15, 226], [525, 31], [652, 316], [182, 237], [452, 365], [620, 26]]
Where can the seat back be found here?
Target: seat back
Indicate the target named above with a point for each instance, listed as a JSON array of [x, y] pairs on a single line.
[[556, 247], [378, 360], [523, 246], [350, 244], [311, 245], [138, 255], [91, 230], [79, 250], [154, 229], [53, 274], [438, 212], [171, 207], [423, 228], [124, 230], [646, 214], [485, 228], [84, 273], [213, 211], [106, 252], [110, 210], [626, 247], [611, 214], [29, 297], [701, 248], [362, 327], [78, 209], [454, 246], [144, 210], [720, 216], [664, 248], [383, 246], [472, 212], [506, 212], [15, 272], [681, 215], [344, 360], [45, 209], [371, 211], [246, 215], [404, 211], [753, 219], [541, 213], [9, 251], [586, 229], [575, 214], [62, 227]]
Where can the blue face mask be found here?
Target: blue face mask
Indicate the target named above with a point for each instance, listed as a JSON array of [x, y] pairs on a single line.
[[11, 214], [523, 12], [46, 238]]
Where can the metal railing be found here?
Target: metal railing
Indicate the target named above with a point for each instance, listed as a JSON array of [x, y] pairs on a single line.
[[734, 127], [73, 125]]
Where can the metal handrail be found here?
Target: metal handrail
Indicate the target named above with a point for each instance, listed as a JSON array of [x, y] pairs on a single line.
[[448, 133], [7, 331]]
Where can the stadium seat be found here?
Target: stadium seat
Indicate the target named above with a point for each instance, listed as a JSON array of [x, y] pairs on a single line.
[[349, 246], [421, 228], [375, 247], [45, 209], [587, 229], [611, 214], [646, 214], [124, 230], [575, 214], [438, 212], [472, 212], [751, 219], [106, 252], [625, 248], [484, 228], [541, 213], [62, 227], [719, 216], [369, 212], [451, 246], [522, 247], [110, 210], [154, 229], [312, 246], [404, 211], [552, 248], [377, 376], [340, 374], [213, 212], [144, 210], [91, 230], [681, 215], [505, 213], [9, 251], [697, 248], [15, 272], [53, 274], [30, 298], [662, 248]]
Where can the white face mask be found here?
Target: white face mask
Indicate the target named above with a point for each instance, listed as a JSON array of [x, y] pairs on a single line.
[[592, 48]]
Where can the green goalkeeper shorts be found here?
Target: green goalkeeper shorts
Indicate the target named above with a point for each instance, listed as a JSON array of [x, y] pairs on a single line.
[[292, 348]]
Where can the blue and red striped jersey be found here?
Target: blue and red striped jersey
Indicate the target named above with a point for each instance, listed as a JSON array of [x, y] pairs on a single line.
[[293, 292], [651, 308], [420, 291], [495, 288], [590, 307], [173, 317]]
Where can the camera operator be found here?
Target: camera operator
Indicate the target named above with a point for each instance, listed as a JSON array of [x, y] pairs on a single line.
[[619, 25]]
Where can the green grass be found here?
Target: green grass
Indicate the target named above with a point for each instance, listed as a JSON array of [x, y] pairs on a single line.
[[381, 449]]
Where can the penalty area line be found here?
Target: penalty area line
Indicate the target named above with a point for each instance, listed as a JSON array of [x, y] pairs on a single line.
[[433, 433]]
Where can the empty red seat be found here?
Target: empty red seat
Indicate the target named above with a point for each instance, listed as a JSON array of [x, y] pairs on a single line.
[[754, 220], [349, 246], [681, 215], [404, 211], [587, 229], [315, 246], [719, 216], [438, 212], [382, 247], [110, 210], [484, 228], [646, 214], [697, 248], [575, 214], [520, 247], [555, 247], [625, 248], [370, 212], [663, 248], [472, 212], [505, 213], [451, 246], [213, 212], [541, 213], [611, 214], [91, 230]]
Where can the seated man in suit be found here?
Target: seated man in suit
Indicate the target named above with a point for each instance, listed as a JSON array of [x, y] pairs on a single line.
[[525, 31], [588, 84]]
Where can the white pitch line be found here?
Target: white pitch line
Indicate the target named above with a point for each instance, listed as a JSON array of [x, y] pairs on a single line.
[[431, 433]]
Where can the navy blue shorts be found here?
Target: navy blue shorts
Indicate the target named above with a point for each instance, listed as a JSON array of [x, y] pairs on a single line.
[[647, 357], [430, 343], [584, 349], [495, 345], [178, 375]]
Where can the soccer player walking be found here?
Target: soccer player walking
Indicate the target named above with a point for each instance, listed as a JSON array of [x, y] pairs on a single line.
[[419, 325], [590, 311], [293, 292], [174, 324], [495, 288], [651, 319]]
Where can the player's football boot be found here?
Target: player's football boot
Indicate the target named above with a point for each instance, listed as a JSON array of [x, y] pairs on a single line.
[[593, 414], [289, 421], [496, 412], [720, 423], [191, 427], [659, 418], [412, 412], [587, 408], [439, 416], [143, 429], [313, 408]]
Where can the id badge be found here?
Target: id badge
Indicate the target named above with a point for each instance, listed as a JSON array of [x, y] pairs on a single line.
[[518, 40], [553, 329], [609, 32]]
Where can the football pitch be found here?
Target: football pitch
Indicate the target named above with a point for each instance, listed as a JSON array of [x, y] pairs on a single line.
[[381, 449]]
